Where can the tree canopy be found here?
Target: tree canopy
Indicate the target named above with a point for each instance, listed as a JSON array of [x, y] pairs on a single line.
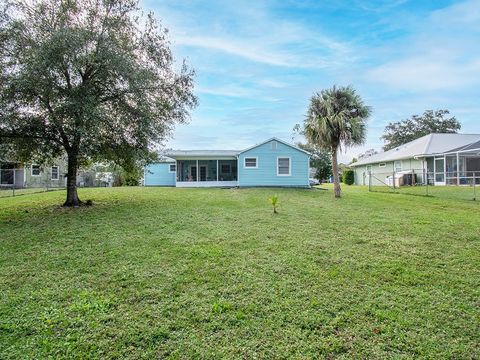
[[336, 118], [320, 161], [404, 131], [93, 79]]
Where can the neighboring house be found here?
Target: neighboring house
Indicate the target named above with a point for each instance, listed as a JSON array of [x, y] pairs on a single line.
[[439, 159], [44, 176], [270, 163], [32, 175]]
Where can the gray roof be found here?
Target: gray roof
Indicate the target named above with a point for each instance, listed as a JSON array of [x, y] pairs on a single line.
[[473, 146], [426, 145], [201, 153], [221, 153]]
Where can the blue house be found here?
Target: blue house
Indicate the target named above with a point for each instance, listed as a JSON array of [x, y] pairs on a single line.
[[270, 163]]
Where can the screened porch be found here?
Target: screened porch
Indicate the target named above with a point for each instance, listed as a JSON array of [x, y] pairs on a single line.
[[457, 167], [206, 172]]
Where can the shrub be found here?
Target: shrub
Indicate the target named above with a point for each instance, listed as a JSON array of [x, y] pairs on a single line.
[[348, 177]]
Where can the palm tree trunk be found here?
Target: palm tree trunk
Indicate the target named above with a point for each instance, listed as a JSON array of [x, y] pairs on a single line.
[[336, 179]]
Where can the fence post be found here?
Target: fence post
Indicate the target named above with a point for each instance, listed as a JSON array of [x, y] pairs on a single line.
[[474, 187], [13, 182], [426, 172], [369, 181]]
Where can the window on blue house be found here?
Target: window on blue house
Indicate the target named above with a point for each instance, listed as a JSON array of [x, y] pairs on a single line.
[[250, 162], [173, 168], [283, 166]]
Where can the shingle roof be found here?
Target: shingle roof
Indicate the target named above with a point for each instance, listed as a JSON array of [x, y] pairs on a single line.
[[199, 153], [426, 145], [212, 153]]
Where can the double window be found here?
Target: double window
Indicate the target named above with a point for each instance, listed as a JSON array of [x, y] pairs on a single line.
[[250, 163], [397, 165], [283, 166], [55, 174]]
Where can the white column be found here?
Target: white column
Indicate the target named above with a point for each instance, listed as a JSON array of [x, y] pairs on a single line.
[[217, 170], [197, 171], [458, 168]]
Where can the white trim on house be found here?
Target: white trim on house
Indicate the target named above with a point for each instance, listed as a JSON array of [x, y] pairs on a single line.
[[39, 170], [250, 167], [58, 173], [187, 184], [289, 165]]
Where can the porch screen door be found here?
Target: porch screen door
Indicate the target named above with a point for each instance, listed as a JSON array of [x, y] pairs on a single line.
[[440, 171]]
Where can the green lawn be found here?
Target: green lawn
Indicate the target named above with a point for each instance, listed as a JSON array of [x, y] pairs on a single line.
[[212, 273]]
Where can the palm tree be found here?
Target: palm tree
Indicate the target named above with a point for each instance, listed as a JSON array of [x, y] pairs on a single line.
[[336, 118]]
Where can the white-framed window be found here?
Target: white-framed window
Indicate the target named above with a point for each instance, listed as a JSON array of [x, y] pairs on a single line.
[[283, 166], [172, 168], [225, 169], [54, 174], [369, 167], [397, 165], [382, 165], [250, 163], [35, 170]]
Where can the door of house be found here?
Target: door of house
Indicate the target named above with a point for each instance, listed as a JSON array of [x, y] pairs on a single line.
[[203, 173], [439, 170]]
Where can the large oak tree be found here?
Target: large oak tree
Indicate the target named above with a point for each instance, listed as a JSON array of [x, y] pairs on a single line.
[[94, 80], [402, 132]]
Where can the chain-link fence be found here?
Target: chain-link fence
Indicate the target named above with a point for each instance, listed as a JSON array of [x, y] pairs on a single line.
[[21, 181], [462, 185]]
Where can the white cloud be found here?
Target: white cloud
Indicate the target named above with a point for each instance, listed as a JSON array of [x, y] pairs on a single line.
[[296, 54], [443, 54], [428, 73], [246, 50]]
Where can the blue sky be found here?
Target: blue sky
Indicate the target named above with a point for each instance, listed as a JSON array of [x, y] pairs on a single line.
[[258, 63]]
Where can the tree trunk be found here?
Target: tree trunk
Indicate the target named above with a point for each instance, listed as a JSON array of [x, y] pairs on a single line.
[[72, 196], [336, 179]]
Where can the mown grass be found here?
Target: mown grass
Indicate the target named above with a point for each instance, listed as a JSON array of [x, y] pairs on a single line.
[[464, 192], [213, 273]]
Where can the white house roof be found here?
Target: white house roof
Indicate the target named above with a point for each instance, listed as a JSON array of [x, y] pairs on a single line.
[[221, 153], [165, 159], [424, 146], [201, 153]]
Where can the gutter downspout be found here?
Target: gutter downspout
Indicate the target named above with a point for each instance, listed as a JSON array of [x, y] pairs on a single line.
[[238, 170]]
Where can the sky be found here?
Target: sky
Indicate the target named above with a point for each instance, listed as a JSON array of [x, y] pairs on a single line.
[[258, 63]]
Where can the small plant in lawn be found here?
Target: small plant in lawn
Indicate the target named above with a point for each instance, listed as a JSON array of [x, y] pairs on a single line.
[[274, 201]]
